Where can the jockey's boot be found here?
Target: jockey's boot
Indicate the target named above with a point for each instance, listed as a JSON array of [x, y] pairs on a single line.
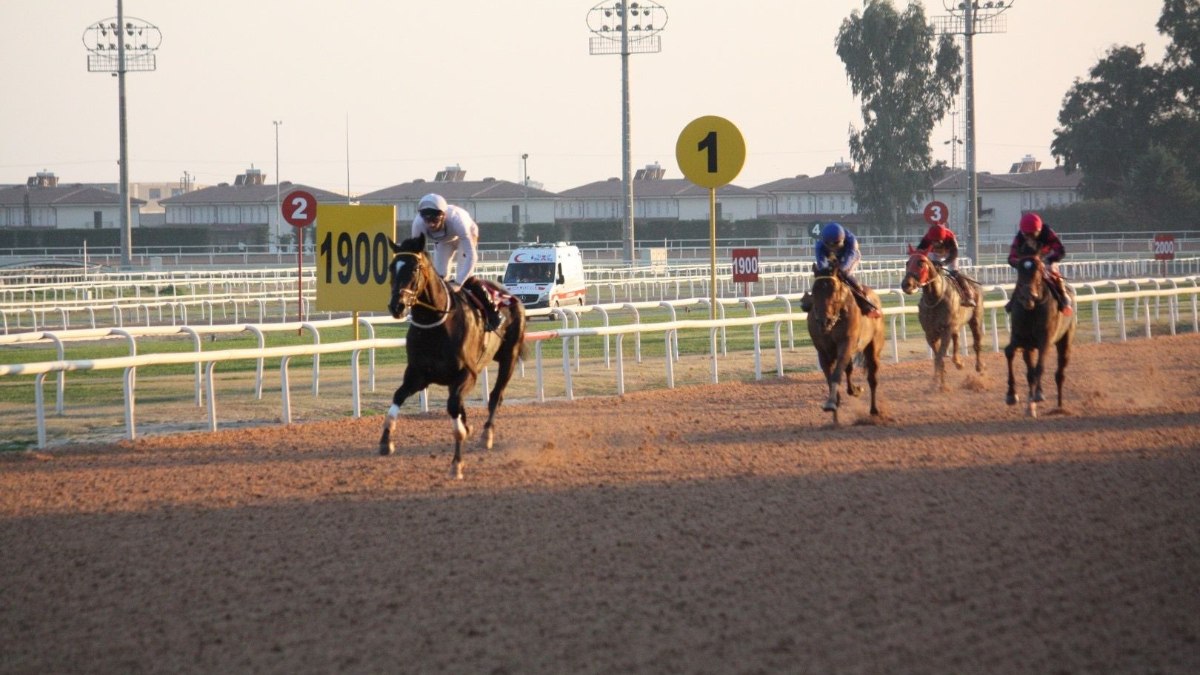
[[491, 313], [491, 316], [868, 307], [965, 292], [1064, 298]]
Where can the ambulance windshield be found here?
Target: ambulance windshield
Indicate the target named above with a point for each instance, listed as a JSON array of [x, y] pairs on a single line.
[[529, 273]]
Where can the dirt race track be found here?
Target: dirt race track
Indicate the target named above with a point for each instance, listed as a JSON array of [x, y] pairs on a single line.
[[708, 529]]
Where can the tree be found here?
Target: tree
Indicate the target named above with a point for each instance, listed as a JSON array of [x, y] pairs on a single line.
[[1108, 121], [1161, 192], [1132, 128], [905, 87]]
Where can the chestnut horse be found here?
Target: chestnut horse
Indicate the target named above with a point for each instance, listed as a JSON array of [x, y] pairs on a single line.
[[839, 331], [942, 313], [447, 344], [1037, 323]]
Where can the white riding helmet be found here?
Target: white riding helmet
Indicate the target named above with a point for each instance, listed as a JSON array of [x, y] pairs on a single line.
[[432, 201]]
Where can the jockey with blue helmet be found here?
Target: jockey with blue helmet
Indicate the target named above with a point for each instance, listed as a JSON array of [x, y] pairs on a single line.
[[837, 247]]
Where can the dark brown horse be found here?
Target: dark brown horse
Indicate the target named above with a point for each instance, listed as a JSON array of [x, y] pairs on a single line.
[[942, 313], [839, 331], [1037, 323], [447, 344]]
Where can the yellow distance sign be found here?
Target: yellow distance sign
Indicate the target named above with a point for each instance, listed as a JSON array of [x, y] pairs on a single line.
[[710, 151], [353, 254]]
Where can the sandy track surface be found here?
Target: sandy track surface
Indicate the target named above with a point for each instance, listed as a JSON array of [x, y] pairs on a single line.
[[708, 529]]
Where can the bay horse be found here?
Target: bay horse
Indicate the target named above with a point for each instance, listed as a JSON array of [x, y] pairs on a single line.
[[942, 313], [839, 331], [1037, 323], [447, 344]]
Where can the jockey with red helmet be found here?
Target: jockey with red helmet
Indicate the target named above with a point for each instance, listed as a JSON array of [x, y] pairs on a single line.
[[941, 246], [1035, 238], [838, 247]]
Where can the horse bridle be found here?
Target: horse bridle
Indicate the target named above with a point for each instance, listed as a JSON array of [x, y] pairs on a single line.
[[923, 284], [410, 297], [837, 288]]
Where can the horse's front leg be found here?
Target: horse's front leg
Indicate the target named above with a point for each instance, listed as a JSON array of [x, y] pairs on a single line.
[[851, 388], [833, 379], [413, 382], [1033, 377], [940, 345], [1011, 397], [460, 429], [954, 355]]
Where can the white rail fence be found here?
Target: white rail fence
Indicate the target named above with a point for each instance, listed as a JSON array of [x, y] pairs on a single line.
[[234, 296], [1150, 299]]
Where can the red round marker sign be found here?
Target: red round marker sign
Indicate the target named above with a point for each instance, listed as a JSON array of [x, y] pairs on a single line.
[[936, 213], [299, 208]]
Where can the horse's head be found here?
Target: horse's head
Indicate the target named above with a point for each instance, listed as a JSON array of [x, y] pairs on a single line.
[[1031, 281], [828, 299], [918, 271], [407, 274]]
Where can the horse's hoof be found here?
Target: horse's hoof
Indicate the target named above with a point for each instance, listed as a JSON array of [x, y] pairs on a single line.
[[488, 436], [1011, 399], [856, 390], [958, 364], [456, 470], [386, 449], [830, 406], [1038, 397]]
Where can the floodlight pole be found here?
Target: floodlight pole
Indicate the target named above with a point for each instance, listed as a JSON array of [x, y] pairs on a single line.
[[630, 238], [126, 208], [146, 38], [653, 17], [969, 84], [976, 17]]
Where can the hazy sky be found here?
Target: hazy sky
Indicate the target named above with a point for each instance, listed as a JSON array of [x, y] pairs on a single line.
[[418, 86]]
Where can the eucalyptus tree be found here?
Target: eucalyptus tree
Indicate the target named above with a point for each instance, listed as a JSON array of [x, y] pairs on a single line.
[[905, 78]]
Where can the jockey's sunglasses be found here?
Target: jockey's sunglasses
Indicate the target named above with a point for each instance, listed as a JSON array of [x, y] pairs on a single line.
[[430, 214]]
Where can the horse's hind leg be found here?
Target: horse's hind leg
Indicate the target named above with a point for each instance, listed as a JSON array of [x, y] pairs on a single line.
[[1060, 374], [976, 324], [412, 384], [871, 358], [503, 375]]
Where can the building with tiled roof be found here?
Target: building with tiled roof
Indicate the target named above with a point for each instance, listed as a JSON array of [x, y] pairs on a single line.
[[798, 202], [488, 201], [655, 198], [248, 208], [43, 202]]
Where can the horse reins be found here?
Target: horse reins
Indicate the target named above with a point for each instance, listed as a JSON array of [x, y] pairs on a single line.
[[411, 297]]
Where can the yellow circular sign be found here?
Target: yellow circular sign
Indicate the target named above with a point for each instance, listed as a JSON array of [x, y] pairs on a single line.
[[710, 151]]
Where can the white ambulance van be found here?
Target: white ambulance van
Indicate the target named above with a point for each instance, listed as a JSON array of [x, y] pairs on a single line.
[[546, 275]]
